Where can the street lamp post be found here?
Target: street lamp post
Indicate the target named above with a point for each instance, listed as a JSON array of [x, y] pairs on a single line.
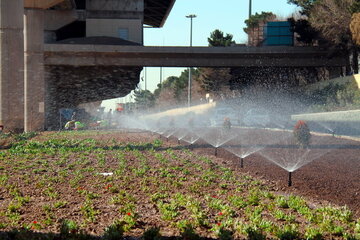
[[191, 16]]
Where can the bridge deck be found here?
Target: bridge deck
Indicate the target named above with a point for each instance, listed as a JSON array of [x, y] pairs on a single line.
[[91, 55]]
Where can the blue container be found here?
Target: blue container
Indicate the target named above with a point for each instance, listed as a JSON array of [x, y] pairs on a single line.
[[278, 34]]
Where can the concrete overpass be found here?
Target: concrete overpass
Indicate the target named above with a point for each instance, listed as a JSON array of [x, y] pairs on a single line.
[[239, 56], [78, 73]]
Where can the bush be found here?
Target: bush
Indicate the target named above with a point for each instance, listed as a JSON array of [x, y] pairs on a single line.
[[334, 97]]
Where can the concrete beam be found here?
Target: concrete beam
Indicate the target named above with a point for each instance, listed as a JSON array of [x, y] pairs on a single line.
[[92, 55], [12, 64], [55, 19], [41, 4]]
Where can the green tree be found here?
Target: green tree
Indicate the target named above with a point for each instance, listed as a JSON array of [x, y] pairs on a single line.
[[305, 5], [165, 86], [355, 28], [214, 79], [174, 89], [355, 8], [306, 34], [255, 20], [217, 39], [332, 19], [144, 99]]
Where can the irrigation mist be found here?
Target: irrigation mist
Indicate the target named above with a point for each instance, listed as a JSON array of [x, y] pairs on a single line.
[[262, 127]]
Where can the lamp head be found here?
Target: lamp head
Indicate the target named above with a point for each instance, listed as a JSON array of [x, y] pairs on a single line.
[[191, 16]]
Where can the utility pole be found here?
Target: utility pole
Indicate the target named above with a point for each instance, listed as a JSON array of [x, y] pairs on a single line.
[[250, 3], [145, 78], [191, 16], [160, 76]]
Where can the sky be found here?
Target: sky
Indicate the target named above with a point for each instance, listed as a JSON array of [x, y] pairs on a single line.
[[227, 15]]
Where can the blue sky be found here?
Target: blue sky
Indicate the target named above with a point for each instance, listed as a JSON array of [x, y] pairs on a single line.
[[226, 15]]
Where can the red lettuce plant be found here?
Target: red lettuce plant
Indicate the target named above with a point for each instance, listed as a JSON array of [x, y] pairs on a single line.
[[302, 133], [227, 123]]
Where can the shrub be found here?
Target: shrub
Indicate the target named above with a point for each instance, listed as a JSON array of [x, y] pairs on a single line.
[[335, 97]]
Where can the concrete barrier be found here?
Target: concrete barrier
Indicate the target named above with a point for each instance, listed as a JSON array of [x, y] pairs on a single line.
[[199, 109], [337, 116]]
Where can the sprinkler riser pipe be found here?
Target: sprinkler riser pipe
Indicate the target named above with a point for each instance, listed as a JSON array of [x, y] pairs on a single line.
[[289, 180], [216, 152], [242, 162]]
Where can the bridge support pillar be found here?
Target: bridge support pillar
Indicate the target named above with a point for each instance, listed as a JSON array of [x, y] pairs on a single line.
[[34, 70], [12, 65]]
